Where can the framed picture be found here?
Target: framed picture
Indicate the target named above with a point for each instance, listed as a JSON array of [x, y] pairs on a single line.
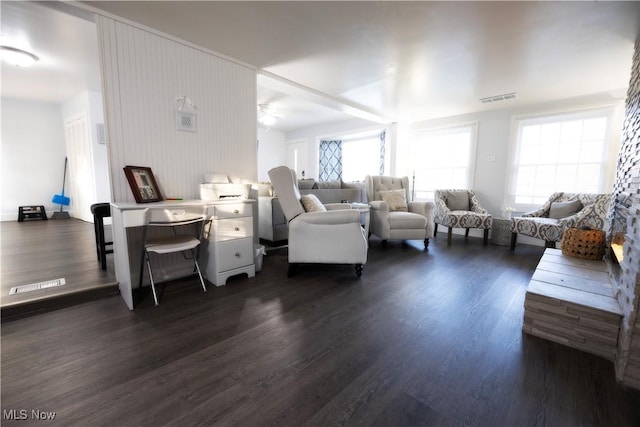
[[143, 184]]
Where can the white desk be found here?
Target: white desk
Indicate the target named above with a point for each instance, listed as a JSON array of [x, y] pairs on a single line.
[[127, 222]]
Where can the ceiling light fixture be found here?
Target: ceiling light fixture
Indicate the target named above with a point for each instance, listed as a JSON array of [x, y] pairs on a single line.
[[18, 57], [267, 114], [497, 98]]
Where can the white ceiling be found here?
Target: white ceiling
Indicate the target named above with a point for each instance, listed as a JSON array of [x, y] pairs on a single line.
[[67, 47], [392, 61]]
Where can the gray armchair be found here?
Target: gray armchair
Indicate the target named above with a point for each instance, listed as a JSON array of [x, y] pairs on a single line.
[[330, 235], [393, 214], [561, 211], [461, 209]]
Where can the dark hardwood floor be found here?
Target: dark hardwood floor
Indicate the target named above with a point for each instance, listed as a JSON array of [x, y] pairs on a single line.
[[423, 338], [37, 251]]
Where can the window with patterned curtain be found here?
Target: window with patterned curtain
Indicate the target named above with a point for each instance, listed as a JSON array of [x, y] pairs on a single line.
[[330, 160], [383, 137], [363, 155]]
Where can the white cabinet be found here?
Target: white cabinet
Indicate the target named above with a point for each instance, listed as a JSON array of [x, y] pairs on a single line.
[[230, 236]]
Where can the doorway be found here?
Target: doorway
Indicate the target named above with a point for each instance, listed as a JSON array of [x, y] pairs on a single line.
[[50, 111], [297, 158]]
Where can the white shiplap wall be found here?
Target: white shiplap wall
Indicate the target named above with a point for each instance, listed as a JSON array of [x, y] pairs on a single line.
[[143, 74]]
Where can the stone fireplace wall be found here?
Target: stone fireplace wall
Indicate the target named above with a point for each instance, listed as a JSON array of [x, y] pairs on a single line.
[[627, 274]]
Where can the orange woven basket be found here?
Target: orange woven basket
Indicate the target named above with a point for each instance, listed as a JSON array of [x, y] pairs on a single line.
[[584, 243]]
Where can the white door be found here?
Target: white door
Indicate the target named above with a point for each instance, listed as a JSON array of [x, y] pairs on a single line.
[[80, 177], [297, 158]]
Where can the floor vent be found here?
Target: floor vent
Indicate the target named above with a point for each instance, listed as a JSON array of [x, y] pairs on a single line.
[[37, 286]]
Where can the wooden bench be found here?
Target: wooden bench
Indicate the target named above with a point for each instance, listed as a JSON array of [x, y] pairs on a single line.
[[571, 301]]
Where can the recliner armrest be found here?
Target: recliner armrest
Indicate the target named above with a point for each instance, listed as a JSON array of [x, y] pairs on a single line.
[[423, 208], [379, 205], [333, 217], [337, 206]]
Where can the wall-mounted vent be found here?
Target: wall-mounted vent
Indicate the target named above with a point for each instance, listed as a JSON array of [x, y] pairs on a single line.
[[497, 98], [185, 121]]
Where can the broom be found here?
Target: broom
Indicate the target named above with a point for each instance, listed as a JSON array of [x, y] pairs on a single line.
[[61, 199]]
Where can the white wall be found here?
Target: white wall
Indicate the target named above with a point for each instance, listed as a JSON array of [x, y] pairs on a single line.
[[271, 151], [100, 155], [32, 156], [143, 74]]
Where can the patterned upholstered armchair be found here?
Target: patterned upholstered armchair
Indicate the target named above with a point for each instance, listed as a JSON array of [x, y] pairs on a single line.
[[461, 209], [561, 211]]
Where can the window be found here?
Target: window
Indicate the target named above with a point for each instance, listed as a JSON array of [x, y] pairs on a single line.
[[352, 158], [559, 153], [444, 158]]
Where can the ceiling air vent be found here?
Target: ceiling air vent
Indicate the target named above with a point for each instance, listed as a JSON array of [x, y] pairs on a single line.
[[497, 98]]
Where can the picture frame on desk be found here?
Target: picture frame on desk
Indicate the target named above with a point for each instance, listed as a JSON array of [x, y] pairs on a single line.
[[143, 184]]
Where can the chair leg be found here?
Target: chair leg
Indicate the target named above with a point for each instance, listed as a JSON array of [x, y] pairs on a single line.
[[426, 243], [549, 244], [435, 230], [466, 233], [359, 268], [95, 230], [195, 261], [514, 238], [449, 236], [384, 243], [102, 245], [153, 285], [485, 241], [293, 269]]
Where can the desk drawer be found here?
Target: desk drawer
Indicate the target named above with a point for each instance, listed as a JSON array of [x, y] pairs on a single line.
[[232, 210], [232, 228], [234, 253]]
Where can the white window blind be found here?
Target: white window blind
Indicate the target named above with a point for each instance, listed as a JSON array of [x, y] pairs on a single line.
[[559, 153], [443, 158]]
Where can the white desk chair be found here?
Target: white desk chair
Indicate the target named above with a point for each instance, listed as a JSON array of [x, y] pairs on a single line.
[[174, 242]]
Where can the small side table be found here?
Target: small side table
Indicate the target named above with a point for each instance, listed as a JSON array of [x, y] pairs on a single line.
[[501, 231], [31, 212], [363, 208]]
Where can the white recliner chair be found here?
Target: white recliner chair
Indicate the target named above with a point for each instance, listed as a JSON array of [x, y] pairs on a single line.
[[324, 234], [393, 214]]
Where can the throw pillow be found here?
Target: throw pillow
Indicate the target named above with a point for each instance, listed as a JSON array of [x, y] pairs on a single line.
[[560, 210], [458, 200], [396, 199], [306, 184], [311, 203]]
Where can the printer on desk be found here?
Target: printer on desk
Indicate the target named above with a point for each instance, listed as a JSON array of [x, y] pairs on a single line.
[[217, 191], [218, 187]]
